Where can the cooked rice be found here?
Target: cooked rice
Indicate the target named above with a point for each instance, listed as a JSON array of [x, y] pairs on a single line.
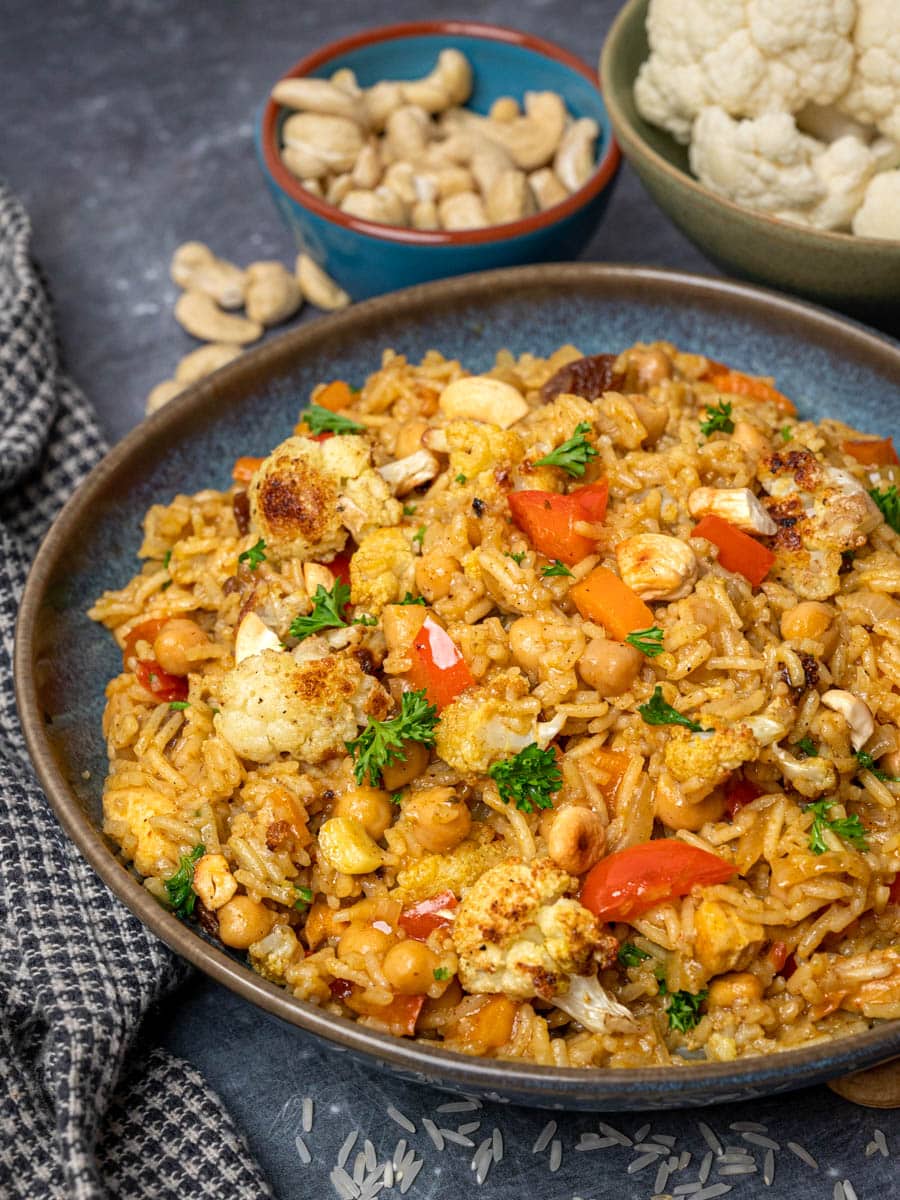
[[176, 782]]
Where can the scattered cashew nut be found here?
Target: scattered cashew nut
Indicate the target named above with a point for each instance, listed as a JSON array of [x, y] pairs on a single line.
[[199, 314], [195, 266], [273, 293], [573, 162], [162, 394], [200, 363], [318, 287]]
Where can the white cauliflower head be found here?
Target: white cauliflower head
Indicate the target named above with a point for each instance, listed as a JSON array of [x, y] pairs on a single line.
[[382, 570], [520, 931], [273, 704], [747, 56], [306, 495], [873, 95], [879, 214]]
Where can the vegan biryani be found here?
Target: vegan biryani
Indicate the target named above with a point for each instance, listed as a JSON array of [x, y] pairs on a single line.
[[551, 713]]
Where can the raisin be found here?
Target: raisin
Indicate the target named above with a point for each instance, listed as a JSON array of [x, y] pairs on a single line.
[[240, 505], [586, 377]]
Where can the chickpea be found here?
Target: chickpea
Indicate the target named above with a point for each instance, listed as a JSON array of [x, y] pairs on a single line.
[[653, 415], [177, 643], [409, 439], [527, 643], [810, 619], [399, 774], [320, 924], [243, 921], [738, 988], [610, 667], [409, 967], [363, 939], [369, 805], [650, 367], [440, 819], [676, 812], [434, 575], [576, 839]]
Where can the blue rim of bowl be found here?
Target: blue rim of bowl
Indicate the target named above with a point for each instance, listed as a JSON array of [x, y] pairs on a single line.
[[626, 131], [291, 186]]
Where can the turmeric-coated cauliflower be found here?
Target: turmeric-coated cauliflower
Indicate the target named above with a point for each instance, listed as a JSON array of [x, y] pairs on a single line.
[[703, 760], [519, 931], [476, 447], [306, 495], [381, 570], [273, 704]]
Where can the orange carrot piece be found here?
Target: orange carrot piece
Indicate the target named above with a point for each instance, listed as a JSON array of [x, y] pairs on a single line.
[[334, 396], [245, 468], [872, 452], [613, 764], [736, 383], [602, 597], [738, 551]]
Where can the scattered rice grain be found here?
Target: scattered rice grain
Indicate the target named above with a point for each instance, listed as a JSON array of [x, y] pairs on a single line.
[[705, 1166], [769, 1168], [871, 1148], [388, 1174], [543, 1138], [849, 1190], [343, 1184], [302, 1150], [710, 1193], [650, 1148], [433, 1132], [684, 1160], [469, 1127], [640, 1134], [371, 1156], [709, 1137], [497, 1144], [359, 1168], [687, 1189], [347, 1145], [737, 1169], [639, 1164], [665, 1139], [839, 1193], [555, 1155], [662, 1178], [593, 1141], [803, 1155], [458, 1139], [399, 1151], [734, 1156], [459, 1106], [306, 1119], [621, 1139], [409, 1175], [401, 1119], [748, 1127], [759, 1139], [880, 1141]]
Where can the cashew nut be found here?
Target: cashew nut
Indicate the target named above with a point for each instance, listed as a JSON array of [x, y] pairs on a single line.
[[574, 160], [252, 637], [382, 205], [656, 566], [339, 187], [462, 211], [504, 108], [319, 143], [366, 173], [855, 712], [318, 287], [273, 293], [199, 314], [407, 133], [195, 266], [488, 163], [453, 179], [530, 140], [213, 882], [737, 505], [345, 79], [202, 362], [482, 398], [162, 394], [547, 188], [318, 96], [509, 198], [312, 185], [381, 100], [449, 83], [400, 178], [424, 215], [404, 474]]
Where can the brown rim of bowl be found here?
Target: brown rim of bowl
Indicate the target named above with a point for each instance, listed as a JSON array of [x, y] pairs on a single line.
[[290, 185], [544, 1085], [626, 133]]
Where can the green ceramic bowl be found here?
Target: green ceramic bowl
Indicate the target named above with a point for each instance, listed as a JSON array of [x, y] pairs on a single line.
[[837, 268]]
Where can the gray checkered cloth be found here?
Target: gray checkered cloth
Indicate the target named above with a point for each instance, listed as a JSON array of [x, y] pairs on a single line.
[[85, 1112]]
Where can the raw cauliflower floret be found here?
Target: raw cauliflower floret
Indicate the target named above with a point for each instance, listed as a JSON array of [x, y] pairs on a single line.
[[704, 760], [723, 940], [476, 447], [879, 214], [306, 495], [492, 722], [272, 704], [519, 931], [749, 58], [381, 570], [873, 95], [845, 169]]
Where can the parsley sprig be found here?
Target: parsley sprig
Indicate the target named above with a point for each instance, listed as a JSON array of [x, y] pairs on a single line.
[[648, 641], [807, 746], [254, 556], [323, 420], [381, 742], [179, 887], [867, 762], [851, 829], [409, 598], [889, 503], [657, 712], [441, 973], [304, 897], [683, 1009], [717, 418], [555, 568], [529, 778], [631, 955], [327, 612], [573, 455]]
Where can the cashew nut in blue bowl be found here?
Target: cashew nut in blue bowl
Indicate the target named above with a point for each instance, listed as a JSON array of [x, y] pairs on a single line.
[[418, 151]]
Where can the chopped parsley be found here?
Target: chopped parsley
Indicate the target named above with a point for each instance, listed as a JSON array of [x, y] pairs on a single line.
[[889, 503], [648, 641], [441, 973], [461, 479], [717, 418], [555, 568], [179, 886], [323, 420], [397, 798], [573, 455], [851, 829], [631, 955], [529, 778], [786, 433], [409, 509], [381, 742], [167, 558], [327, 612], [657, 712], [419, 535], [364, 619], [304, 897], [254, 556], [409, 598], [683, 1009], [867, 762], [179, 705], [808, 747], [517, 558]]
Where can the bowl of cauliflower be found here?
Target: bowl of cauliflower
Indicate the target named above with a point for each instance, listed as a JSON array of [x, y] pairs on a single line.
[[770, 134]]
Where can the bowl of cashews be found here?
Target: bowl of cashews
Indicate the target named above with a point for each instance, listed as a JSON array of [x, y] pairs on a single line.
[[417, 151]]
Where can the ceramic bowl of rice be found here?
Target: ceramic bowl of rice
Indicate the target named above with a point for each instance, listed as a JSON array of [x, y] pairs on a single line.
[[519, 704]]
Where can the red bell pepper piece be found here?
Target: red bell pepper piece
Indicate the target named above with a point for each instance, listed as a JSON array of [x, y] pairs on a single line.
[[437, 665], [630, 881], [160, 683], [145, 632], [872, 452], [549, 519], [738, 793], [421, 919], [738, 551], [340, 567]]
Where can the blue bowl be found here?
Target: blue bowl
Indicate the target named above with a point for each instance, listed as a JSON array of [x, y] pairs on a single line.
[[367, 258]]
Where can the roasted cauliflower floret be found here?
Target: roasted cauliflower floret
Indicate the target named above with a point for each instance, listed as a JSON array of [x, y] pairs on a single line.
[[551, 424], [821, 511], [476, 447], [306, 495], [519, 931], [723, 940], [492, 722], [381, 570], [274, 953], [704, 760], [128, 818], [273, 704]]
